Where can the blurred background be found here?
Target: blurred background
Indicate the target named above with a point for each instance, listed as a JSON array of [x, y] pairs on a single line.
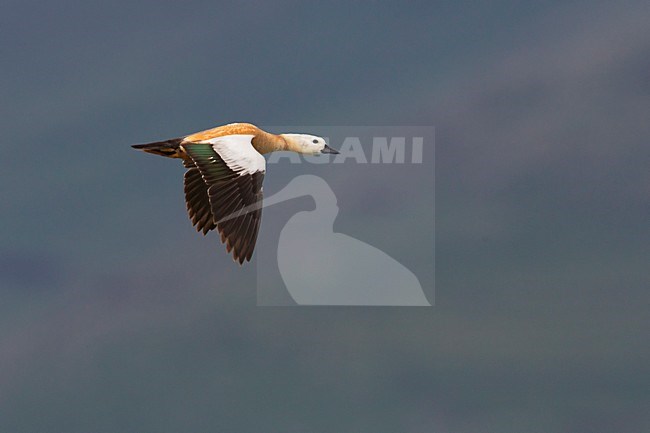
[[116, 317]]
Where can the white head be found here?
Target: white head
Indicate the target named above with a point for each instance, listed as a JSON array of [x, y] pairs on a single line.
[[307, 144]]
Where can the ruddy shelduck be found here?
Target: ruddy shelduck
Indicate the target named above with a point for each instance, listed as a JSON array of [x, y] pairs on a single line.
[[223, 183]]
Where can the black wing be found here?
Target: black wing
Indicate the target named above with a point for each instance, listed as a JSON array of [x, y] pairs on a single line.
[[197, 199], [216, 196]]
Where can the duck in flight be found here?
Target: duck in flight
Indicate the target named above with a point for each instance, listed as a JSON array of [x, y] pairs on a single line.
[[223, 183]]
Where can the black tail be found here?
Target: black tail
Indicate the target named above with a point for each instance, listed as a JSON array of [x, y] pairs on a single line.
[[168, 148]]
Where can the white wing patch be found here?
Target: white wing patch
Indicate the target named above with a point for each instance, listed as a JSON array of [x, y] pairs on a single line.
[[238, 153]]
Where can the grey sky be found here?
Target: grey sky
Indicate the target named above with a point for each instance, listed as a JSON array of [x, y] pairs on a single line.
[[116, 316]]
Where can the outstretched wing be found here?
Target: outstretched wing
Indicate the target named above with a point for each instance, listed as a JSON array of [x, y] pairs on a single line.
[[232, 172], [197, 199]]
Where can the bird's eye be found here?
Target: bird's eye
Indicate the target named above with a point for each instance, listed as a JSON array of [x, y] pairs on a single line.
[[315, 141]]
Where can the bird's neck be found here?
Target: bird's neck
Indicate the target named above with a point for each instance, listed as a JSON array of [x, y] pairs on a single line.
[[266, 143], [290, 143]]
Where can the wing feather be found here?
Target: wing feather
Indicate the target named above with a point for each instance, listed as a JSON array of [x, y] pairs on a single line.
[[231, 173]]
